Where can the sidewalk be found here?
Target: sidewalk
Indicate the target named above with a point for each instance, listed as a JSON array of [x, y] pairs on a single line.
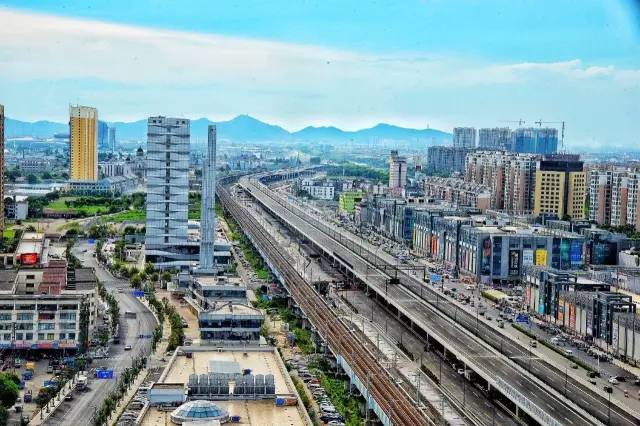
[[41, 416]]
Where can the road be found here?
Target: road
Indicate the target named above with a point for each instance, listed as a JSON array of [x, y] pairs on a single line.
[[82, 407], [426, 307]]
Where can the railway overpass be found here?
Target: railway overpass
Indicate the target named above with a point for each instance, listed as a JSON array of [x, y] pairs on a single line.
[[389, 401], [536, 388]]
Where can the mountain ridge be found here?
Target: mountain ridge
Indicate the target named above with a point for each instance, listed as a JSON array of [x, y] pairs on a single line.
[[242, 128]]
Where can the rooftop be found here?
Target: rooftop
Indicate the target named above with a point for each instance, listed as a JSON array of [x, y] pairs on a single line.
[[251, 412]]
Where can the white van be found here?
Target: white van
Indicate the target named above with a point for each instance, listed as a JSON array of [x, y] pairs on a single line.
[[568, 352]]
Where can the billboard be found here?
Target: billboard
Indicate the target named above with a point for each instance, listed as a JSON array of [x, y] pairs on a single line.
[[576, 252], [527, 257], [560, 315], [589, 323], [485, 260], [572, 316], [541, 257], [514, 262], [29, 258], [564, 254]]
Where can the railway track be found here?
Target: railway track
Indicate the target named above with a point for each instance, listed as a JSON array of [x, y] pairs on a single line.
[[393, 401]]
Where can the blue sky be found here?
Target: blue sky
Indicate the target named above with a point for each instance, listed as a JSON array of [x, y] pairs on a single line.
[[349, 63]]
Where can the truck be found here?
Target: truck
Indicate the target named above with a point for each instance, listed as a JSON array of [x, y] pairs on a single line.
[[81, 384], [28, 396]]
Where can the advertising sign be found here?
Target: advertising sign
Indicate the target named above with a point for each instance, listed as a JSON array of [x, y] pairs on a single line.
[[485, 265], [576, 252], [564, 254], [514, 262], [589, 323], [561, 310], [541, 257], [614, 336], [527, 257], [29, 258], [572, 316]]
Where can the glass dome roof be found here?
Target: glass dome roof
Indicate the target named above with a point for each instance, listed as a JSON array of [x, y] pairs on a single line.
[[198, 410]]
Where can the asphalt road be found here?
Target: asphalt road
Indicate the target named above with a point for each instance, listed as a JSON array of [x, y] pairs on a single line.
[[80, 410], [411, 297]]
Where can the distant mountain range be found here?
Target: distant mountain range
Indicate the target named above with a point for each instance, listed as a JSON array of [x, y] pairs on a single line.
[[244, 128]]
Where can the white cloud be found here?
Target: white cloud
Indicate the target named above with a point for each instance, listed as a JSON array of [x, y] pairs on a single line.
[[125, 69]]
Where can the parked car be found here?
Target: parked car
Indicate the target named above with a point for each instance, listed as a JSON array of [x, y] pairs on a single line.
[[127, 347]]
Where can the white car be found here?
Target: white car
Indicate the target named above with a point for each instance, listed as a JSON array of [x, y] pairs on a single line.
[[613, 380]]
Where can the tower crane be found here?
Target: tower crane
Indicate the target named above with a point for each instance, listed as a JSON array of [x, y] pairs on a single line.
[[540, 123], [519, 121]]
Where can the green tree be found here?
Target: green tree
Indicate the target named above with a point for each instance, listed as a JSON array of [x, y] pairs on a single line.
[[136, 281], [32, 179], [9, 390], [166, 276], [149, 268]]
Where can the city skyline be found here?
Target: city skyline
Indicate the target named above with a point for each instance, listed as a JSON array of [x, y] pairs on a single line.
[[413, 79]]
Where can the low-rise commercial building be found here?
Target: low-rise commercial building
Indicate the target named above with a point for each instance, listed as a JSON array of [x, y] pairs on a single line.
[[42, 307], [230, 322], [457, 192]]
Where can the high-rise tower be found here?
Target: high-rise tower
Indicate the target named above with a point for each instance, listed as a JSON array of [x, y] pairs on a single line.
[[167, 192], [207, 208], [83, 147], [1, 167]]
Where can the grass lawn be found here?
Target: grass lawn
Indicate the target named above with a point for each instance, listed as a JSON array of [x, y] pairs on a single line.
[[9, 233], [128, 216], [89, 209]]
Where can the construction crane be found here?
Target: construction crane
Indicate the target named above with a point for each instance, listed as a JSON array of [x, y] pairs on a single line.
[[519, 121], [540, 123]]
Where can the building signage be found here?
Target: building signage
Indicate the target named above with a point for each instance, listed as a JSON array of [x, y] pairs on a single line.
[[576, 252], [29, 258], [564, 254], [589, 323], [514, 262], [485, 265], [560, 315], [541, 257], [572, 316], [527, 257]]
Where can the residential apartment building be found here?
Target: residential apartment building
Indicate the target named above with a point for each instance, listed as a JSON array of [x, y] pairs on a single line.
[[538, 140], [560, 188], [457, 192], [464, 137], [497, 138], [397, 171], [625, 202], [112, 139], [600, 196], [446, 159], [509, 176], [83, 146], [115, 168], [167, 192]]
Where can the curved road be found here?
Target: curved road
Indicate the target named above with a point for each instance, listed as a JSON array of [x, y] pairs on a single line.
[[80, 410]]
